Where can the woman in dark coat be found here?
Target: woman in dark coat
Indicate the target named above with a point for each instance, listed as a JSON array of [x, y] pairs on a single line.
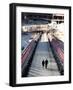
[[46, 63], [43, 63]]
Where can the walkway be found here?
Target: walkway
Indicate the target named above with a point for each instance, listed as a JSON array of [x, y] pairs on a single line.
[[43, 52]]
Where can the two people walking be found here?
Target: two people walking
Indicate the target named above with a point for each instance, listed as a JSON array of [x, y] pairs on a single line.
[[45, 63]]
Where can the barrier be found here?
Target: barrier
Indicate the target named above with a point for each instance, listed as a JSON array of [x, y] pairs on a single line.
[[27, 56], [58, 53]]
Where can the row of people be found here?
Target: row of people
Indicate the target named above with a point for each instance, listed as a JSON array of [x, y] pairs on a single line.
[[45, 63]]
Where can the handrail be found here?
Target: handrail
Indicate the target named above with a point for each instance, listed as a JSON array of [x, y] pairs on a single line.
[[59, 51], [27, 49]]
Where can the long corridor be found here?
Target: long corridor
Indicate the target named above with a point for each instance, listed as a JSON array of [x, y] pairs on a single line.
[[43, 52]]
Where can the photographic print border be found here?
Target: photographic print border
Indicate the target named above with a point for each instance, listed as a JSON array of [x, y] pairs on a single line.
[[12, 64]]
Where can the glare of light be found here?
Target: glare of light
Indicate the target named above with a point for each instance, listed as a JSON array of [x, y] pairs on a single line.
[[25, 17], [30, 40]]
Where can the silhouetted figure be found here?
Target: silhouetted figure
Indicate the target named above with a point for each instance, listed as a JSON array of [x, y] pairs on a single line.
[[43, 63], [46, 63]]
